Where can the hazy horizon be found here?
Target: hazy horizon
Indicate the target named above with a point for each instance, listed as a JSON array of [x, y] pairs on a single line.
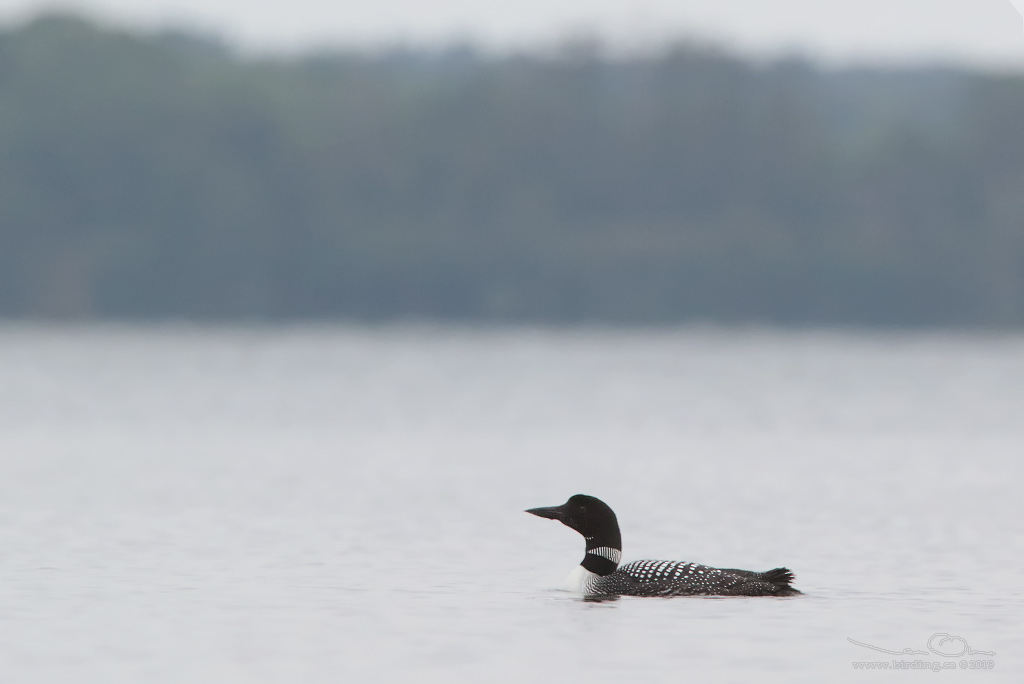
[[971, 33], [158, 178]]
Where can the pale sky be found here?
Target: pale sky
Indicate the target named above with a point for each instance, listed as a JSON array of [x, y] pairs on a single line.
[[985, 33]]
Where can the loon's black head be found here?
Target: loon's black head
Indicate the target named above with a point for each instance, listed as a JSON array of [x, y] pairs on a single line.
[[596, 521], [588, 515]]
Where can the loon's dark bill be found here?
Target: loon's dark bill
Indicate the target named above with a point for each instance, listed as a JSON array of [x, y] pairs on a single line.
[[552, 512]]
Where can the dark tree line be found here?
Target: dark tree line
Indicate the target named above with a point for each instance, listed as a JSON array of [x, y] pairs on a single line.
[[166, 176]]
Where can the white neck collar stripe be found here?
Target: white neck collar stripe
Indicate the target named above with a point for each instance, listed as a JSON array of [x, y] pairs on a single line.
[[607, 552]]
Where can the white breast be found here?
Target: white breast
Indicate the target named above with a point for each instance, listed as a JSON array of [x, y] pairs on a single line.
[[580, 580]]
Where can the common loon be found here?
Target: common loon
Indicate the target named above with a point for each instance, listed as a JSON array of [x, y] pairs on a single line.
[[600, 575]]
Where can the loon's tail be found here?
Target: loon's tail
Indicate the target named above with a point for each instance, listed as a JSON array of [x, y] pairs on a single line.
[[780, 577]]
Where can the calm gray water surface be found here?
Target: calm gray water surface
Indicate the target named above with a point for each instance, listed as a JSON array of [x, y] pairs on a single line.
[[345, 504]]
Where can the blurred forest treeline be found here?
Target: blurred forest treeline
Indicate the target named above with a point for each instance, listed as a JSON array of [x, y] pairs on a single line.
[[166, 176]]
